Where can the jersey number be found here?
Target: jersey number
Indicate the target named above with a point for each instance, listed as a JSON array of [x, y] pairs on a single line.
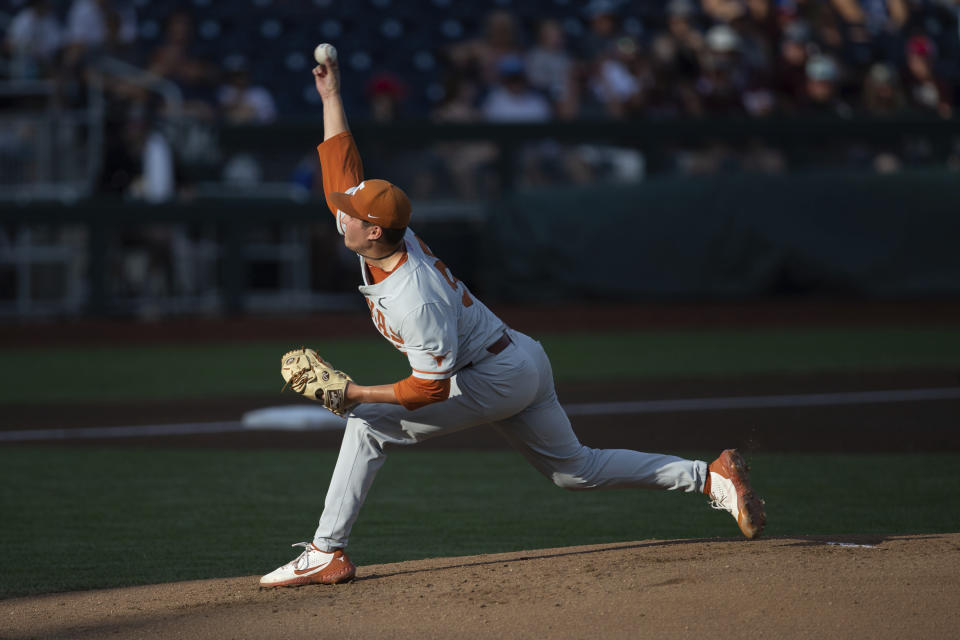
[[447, 275]]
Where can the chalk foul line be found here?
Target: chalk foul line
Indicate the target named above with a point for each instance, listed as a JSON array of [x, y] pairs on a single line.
[[764, 402], [323, 419]]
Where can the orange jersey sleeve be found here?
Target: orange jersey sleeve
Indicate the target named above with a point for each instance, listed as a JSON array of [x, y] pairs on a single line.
[[414, 393], [340, 165]]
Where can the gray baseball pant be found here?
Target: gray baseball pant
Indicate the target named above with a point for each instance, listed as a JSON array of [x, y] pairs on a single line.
[[513, 391]]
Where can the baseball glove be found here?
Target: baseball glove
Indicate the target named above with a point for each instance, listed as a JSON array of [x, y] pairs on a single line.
[[312, 377]]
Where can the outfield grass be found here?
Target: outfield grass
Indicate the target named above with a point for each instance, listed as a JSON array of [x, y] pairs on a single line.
[[181, 371], [79, 518]]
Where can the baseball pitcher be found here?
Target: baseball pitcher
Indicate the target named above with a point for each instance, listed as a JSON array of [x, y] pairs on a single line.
[[467, 368]]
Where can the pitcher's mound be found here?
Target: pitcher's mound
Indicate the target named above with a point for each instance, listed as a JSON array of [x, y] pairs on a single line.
[[809, 587]]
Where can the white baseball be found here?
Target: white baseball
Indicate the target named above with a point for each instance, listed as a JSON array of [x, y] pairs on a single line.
[[325, 52]]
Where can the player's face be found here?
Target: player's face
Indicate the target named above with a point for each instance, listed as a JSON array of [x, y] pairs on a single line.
[[355, 234]]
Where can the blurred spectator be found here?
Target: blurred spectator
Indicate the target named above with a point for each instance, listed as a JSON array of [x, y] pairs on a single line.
[[386, 93], [759, 101], [822, 88], [87, 23], [467, 163], [550, 69], [138, 160], [873, 16], [685, 38], [604, 29], [480, 58], [243, 103], [925, 89], [763, 12], [154, 259], [723, 79], [459, 101], [882, 95], [121, 94], [821, 19], [791, 65], [757, 31], [117, 43], [33, 40], [97, 27], [871, 28], [156, 182], [176, 60], [512, 99], [671, 92], [614, 84]]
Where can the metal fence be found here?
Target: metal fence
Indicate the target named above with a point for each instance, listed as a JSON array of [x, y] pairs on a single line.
[[47, 152], [112, 257]]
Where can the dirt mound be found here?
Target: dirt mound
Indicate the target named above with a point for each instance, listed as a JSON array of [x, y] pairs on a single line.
[[841, 586]]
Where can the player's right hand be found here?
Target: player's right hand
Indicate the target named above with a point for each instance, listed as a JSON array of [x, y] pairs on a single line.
[[327, 78]]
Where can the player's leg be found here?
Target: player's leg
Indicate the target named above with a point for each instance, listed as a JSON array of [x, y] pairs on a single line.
[[497, 387], [543, 434], [493, 389]]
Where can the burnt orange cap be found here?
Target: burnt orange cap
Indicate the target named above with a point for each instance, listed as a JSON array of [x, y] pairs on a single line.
[[376, 201]]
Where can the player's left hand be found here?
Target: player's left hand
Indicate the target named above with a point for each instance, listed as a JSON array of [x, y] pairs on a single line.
[[312, 377]]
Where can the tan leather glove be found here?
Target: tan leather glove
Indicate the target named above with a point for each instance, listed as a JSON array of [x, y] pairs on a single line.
[[312, 377]]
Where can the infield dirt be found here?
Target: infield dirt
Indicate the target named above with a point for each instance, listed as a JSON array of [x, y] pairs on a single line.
[[840, 587]]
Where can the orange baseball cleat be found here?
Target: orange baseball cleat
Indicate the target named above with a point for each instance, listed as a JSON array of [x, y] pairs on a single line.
[[730, 491]]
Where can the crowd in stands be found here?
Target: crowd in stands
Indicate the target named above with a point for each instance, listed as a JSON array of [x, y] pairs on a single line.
[[527, 61], [500, 61], [721, 57], [40, 44], [600, 59]]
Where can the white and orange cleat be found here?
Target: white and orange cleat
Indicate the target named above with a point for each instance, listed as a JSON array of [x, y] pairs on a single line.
[[311, 566], [729, 490]]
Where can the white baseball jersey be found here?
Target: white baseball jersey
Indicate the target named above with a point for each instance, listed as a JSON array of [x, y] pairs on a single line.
[[430, 315], [426, 312]]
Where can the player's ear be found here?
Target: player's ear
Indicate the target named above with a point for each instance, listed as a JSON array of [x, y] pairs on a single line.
[[375, 232]]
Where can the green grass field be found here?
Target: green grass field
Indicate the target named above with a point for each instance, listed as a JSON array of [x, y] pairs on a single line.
[[80, 518], [85, 517], [180, 371]]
